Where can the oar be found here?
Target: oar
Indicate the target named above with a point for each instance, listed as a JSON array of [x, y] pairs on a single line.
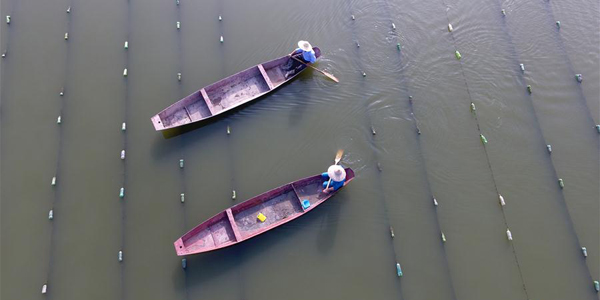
[[324, 73], [338, 157]]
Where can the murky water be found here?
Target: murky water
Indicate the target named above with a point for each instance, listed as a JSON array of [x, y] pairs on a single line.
[[426, 145]]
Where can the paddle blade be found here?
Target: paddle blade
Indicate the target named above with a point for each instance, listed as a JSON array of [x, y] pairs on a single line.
[[338, 156], [330, 76]]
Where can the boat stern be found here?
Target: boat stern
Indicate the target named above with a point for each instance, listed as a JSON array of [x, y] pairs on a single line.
[[156, 121], [180, 248]]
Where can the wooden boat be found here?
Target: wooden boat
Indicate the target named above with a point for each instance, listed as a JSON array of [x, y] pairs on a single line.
[[240, 222], [230, 92]]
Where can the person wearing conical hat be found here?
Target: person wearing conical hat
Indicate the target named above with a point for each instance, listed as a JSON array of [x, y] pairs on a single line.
[[305, 53], [337, 174]]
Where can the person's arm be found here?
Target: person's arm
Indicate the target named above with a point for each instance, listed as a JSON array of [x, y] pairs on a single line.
[[311, 57], [297, 50]]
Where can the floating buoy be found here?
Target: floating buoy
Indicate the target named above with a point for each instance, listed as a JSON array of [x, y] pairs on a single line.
[[529, 88], [182, 197], [126, 45], [364, 74], [399, 270], [228, 130], [183, 263], [501, 200], [578, 77], [62, 91], [598, 128], [457, 54], [584, 251], [181, 163], [66, 35], [7, 19], [373, 130], [221, 40], [54, 180], [58, 120], [44, 288], [233, 195], [125, 72], [220, 18], [120, 255], [393, 26], [503, 12], [123, 154], [561, 183], [597, 286], [410, 98], [435, 203], [549, 147], [473, 109], [178, 25], [178, 76], [4, 54], [177, 2], [558, 24], [352, 17], [450, 29], [379, 167], [483, 139], [391, 231], [123, 126], [357, 44], [522, 66], [418, 129], [509, 234], [122, 193], [398, 46], [443, 237], [51, 214], [69, 10]]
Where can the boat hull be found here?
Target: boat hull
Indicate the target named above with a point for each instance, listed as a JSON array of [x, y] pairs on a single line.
[[240, 222], [229, 93]]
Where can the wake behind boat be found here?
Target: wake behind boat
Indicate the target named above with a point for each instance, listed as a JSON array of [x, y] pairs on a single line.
[[229, 93]]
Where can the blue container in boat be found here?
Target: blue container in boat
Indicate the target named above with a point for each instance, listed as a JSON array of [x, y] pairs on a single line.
[[305, 204]]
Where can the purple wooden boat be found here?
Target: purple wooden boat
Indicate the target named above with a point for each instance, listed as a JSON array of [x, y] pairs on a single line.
[[240, 222], [230, 92]]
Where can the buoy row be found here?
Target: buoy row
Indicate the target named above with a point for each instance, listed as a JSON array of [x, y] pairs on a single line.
[[181, 163], [399, 269], [182, 197], [549, 147], [509, 234], [122, 192], [123, 154], [120, 255], [233, 195]]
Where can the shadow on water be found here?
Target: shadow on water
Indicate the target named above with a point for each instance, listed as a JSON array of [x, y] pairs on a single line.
[[202, 267]]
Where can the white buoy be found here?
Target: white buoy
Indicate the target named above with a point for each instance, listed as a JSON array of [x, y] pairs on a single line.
[[58, 121], [178, 25], [503, 12], [228, 130], [584, 251], [126, 45], [221, 39], [44, 288], [54, 180], [393, 26], [352, 17], [120, 255], [373, 130], [443, 237], [123, 154], [391, 231], [399, 270], [220, 18], [125, 72], [522, 66], [450, 28], [177, 2], [66, 35], [51, 214], [561, 183], [123, 126], [357, 44], [7, 19], [509, 234], [598, 128], [122, 192], [184, 263], [69, 10], [501, 200], [4, 54], [62, 91], [435, 203], [181, 163], [579, 78], [233, 195], [182, 197]]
